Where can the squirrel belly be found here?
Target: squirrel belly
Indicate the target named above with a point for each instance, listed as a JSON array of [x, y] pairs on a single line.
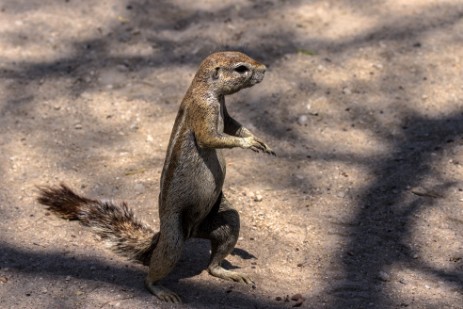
[[200, 177]]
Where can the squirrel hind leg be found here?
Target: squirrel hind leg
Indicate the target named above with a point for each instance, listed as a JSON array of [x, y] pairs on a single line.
[[223, 240], [165, 255], [62, 201], [222, 227]]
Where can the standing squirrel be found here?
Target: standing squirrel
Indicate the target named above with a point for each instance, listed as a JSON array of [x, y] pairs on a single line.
[[191, 202]]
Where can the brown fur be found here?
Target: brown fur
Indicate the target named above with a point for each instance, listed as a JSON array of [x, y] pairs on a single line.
[[191, 202], [116, 225]]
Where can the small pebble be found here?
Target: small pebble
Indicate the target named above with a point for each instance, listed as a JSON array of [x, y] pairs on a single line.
[[384, 276], [296, 296], [86, 95], [139, 187], [404, 304], [78, 126], [258, 198], [299, 299], [302, 120], [346, 90], [122, 68]]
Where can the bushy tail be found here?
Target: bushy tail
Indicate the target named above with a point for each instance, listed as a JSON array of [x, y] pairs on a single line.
[[116, 225]]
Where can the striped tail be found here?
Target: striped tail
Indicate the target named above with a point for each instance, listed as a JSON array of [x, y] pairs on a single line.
[[116, 225]]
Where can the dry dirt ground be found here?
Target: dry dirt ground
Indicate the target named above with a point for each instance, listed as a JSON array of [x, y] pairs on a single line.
[[362, 102]]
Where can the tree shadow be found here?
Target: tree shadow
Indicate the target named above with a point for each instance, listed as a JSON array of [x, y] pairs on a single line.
[[382, 206], [56, 266], [385, 219]]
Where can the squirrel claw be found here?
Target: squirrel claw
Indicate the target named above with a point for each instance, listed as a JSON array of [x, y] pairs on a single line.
[[222, 273]]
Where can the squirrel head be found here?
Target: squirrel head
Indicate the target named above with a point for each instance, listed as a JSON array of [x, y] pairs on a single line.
[[228, 72]]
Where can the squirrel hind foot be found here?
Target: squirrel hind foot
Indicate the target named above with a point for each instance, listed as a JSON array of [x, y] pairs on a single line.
[[220, 272], [162, 293]]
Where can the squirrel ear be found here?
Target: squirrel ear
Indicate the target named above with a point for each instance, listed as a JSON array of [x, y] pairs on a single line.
[[215, 74]]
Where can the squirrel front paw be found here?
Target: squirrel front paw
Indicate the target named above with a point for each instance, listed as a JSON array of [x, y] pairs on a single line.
[[255, 144]]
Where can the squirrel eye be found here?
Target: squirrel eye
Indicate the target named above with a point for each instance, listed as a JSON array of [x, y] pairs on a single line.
[[242, 69]]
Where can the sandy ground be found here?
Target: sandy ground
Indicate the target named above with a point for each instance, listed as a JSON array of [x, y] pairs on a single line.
[[362, 102]]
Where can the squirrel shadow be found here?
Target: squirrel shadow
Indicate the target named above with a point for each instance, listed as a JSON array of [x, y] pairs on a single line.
[[195, 259], [48, 268]]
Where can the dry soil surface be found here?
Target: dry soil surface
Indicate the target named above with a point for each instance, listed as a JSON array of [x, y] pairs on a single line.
[[363, 103]]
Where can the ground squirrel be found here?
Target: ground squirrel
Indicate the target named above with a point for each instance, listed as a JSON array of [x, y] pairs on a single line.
[[191, 202]]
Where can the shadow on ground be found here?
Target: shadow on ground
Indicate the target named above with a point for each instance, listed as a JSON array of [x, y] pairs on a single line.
[[381, 227]]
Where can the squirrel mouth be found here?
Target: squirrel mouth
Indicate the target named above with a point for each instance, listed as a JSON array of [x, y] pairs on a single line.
[[255, 81], [257, 78]]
